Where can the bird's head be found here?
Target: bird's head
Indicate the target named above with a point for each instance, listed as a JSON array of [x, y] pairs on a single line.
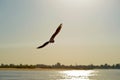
[[61, 24]]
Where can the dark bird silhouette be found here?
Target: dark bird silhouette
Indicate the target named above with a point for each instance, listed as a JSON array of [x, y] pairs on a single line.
[[52, 37]]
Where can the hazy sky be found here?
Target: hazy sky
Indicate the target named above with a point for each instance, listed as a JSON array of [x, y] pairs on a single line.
[[90, 33]]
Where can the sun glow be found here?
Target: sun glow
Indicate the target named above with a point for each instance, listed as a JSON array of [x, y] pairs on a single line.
[[78, 74]]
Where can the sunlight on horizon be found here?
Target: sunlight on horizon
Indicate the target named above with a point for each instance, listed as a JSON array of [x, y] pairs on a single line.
[[78, 74]]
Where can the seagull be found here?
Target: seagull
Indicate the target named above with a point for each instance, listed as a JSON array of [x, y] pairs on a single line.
[[51, 40]]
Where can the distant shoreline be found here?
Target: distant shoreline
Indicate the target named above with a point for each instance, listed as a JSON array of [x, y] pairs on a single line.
[[44, 69], [57, 66], [40, 69]]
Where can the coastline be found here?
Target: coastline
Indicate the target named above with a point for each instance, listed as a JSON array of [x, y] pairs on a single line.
[[45, 69], [38, 69]]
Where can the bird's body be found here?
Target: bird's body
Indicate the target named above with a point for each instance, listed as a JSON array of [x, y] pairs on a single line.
[[52, 38]]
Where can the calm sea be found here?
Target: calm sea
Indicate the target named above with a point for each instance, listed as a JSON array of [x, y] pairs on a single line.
[[111, 74]]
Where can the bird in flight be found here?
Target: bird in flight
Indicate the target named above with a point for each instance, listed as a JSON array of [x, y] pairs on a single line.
[[51, 40]]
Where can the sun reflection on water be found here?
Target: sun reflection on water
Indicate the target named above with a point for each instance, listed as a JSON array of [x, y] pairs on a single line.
[[77, 74]]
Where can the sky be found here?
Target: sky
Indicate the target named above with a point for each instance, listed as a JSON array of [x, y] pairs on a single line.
[[90, 33]]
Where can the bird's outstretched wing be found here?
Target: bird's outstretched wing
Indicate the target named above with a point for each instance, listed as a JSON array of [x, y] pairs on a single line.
[[52, 38], [46, 43], [56, 32]]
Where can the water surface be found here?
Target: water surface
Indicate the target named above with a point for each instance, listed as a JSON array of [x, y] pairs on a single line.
[[111, 74]]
